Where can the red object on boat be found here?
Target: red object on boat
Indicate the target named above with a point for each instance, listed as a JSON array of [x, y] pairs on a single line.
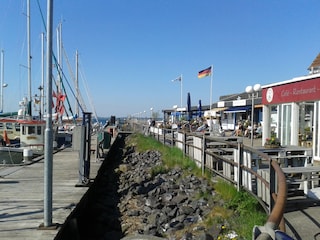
[[5, 137]]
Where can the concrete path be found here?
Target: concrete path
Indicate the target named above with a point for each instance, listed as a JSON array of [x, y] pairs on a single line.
[[22, 194], [302, 219]]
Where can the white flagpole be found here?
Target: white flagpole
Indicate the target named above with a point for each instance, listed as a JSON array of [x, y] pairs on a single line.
[[181, 90], [179, 79], [211, 99]]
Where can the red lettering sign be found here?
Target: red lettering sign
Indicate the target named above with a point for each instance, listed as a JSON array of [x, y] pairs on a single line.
[[305, 90]]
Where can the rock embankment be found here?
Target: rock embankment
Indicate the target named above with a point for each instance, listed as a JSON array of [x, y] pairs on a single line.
[[171, 204]]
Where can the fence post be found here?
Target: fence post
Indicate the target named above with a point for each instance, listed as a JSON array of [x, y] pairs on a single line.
[[203, 154], [184, 143], [172, 137], [240, 161], [164, 131]]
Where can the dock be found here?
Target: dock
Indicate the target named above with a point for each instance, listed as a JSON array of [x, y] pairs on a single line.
[[22, 194]]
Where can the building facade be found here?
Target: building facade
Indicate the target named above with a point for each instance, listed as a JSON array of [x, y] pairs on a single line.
[[291, 112]]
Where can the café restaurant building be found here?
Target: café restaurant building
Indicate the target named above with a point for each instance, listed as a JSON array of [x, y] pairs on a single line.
[[291, 111]]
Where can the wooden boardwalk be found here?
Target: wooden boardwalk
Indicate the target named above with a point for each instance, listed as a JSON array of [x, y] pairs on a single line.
[[22, 194]]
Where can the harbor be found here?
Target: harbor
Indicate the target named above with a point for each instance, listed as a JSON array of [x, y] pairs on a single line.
[[54, 156]]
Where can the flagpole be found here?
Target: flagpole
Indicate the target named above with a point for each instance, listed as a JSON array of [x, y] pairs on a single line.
[[180, 80], [211, 99], [181, 90]]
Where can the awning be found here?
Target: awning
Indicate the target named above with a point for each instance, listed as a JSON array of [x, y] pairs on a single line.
[[176, 114], [219, 109], [237, 109]]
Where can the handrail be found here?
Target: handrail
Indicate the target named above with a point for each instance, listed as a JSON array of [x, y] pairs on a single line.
[[275, 219], [277, 190]]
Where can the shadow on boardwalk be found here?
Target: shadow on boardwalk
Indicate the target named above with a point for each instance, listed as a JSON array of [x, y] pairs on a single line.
[[97, 215]]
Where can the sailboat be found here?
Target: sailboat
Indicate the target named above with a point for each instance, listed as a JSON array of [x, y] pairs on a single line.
[[19, 131]]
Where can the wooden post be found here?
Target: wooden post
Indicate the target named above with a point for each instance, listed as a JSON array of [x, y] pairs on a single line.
[[184, 143], [240, 161], [172, 137], [203, 155]]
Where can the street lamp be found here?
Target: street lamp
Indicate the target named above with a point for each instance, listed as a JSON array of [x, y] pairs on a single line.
[[151, 113], [253, 92]]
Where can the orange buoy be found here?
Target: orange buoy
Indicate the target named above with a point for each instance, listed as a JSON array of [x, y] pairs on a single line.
[[5, 137]]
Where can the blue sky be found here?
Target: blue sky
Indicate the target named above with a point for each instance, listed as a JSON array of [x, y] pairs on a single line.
[[130, 50]]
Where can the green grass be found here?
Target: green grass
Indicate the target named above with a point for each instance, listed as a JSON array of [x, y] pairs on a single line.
[[241, 210], [171, 157], [247, 211]]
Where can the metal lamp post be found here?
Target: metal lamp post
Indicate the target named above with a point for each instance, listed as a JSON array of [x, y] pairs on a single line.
[[151, 113], [253, 93]]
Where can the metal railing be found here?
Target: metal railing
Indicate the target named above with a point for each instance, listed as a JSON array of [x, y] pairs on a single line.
[[244, 166]]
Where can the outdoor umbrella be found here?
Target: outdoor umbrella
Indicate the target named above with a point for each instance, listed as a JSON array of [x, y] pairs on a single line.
[[199, 109], [189, 107]]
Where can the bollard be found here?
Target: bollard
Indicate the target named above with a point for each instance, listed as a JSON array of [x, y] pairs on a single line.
[[27, 155]]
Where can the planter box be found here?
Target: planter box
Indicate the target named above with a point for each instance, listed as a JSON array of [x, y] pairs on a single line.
[[272, 146]]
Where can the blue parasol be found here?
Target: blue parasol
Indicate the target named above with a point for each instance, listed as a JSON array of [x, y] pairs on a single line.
[[189, 107], [199, 109]]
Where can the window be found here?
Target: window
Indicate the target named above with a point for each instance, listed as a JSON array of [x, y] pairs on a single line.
[[39, 128], [31, 130], [9, 126], [23, 130]]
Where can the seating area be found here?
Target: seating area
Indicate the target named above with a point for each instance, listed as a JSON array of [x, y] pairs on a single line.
[[243, 129]]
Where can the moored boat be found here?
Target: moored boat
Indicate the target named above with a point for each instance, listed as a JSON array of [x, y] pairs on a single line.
[[32, 134], [9, 131]]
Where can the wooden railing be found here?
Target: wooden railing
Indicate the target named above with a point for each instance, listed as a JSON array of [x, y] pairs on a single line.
[[244, 166]]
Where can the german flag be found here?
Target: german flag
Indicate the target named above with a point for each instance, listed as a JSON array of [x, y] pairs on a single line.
[[204, 73]]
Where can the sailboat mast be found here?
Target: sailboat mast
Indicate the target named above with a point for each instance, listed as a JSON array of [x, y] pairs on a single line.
[[2, 79], [29, 110], [41, 88], [59, 54], [77, 84]]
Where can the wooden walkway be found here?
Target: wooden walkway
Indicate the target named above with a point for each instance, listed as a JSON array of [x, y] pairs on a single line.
[[22, 194]]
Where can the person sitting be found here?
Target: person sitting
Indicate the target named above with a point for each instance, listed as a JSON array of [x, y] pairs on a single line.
[[247, 131], [239, 129], [258, 131], [202, 128]]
